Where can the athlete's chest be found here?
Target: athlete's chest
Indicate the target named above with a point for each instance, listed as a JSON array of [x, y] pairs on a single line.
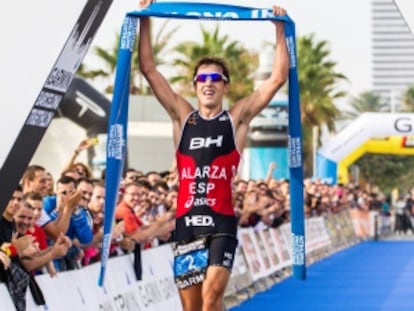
[[207, 135]]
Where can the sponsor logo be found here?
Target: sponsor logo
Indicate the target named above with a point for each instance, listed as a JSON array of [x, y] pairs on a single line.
[[254, 14], [88, 104], [129, 29], [189, 202], [192, 120], [408, 141], [295, 152], [199, 221], [292, 51], [403, 125], [228, 255], [190, 281], [187, 248], [223, 118], [116, 142], [201, 142]]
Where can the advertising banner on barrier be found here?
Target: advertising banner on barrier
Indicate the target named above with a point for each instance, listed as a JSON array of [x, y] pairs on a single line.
[[271, 250], [264, 255], [251, 251], [282, 247], [240, 276], [260, 253], [317, 236], [78, 289]]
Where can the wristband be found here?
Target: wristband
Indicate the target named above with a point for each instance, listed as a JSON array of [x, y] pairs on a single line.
[[13, 250], [10, 251]]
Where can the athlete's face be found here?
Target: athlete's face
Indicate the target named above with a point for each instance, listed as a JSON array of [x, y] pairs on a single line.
[[210, 89]]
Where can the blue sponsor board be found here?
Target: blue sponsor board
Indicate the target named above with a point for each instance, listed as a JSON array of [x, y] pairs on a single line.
[[261, 157], [268, 141]]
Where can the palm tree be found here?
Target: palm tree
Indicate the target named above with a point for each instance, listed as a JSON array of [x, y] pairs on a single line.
[[318, 89], [242, 63], [110, 57], [409, 99], [367, 101]]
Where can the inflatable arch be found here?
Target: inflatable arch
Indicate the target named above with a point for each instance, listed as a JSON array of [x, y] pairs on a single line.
[[384, 133]]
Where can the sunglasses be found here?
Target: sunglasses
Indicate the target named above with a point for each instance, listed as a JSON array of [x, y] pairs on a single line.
[[213, 76]]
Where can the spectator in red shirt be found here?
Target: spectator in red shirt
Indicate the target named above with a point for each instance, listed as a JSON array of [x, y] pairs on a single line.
[[135, 192], [35, 200]]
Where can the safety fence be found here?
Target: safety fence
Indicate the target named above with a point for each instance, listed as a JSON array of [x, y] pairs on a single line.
[[263, 258]]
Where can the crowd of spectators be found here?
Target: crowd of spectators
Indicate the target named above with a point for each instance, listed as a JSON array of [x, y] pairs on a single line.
[[52, 225]]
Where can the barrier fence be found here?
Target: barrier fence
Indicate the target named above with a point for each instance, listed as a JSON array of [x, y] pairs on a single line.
[[263, 258]]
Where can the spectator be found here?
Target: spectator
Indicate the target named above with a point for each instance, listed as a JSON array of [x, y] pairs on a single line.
[[79, 227], [131, 175], [95, 211], [35, 180], [240, 186], [80, 168], [135, 193], [35, 200], [50, 184], [153, 177], [26, 256]]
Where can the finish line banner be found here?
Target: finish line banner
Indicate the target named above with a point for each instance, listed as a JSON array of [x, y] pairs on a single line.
[[117, 135]]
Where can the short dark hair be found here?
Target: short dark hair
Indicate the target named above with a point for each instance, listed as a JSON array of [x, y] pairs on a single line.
[[64, 180], [30, 172], [128, 170], [161, 184], [34, 196], [213, 61], [84, 179]]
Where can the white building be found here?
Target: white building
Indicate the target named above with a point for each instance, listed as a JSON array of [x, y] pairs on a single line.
[[392, 51]]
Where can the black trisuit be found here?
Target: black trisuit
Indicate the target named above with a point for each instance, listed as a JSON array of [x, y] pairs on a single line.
[[207, 161]]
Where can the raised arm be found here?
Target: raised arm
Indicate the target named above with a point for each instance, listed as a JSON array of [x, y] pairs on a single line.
[[247, 108], [175, 105], [60, 225]]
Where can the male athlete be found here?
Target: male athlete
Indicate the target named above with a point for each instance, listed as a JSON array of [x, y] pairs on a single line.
[[208, 143]]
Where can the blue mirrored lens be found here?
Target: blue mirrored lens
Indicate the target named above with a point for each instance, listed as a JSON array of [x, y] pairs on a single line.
[[214, 77]]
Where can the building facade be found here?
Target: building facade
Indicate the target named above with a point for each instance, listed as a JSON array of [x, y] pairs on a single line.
[[392, 53]]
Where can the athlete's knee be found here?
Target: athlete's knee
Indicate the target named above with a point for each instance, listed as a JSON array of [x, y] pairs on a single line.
[[213, 298]]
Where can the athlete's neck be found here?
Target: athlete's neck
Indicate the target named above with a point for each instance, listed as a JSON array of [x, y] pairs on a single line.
[[209, 113]]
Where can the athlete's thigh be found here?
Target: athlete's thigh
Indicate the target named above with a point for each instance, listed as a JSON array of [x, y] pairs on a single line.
[[222, 250], [191, 298], [221, 256]]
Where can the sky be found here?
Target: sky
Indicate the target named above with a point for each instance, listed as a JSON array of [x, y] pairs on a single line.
[[34, 32], [345, 25]]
